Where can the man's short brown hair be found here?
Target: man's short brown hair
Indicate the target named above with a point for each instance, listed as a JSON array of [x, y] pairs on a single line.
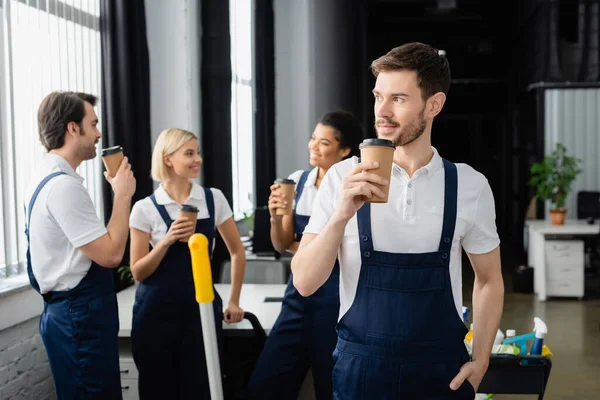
[[56, 111], [431, 66]]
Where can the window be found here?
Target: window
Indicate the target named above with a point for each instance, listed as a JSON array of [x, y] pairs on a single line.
[[45, 45], [242, 107]]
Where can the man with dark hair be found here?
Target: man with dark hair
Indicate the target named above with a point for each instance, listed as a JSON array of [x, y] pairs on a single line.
[[71, 253], [400, 331]]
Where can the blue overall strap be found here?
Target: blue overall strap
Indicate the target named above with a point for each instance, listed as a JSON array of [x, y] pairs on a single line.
[[450, 205], [41, 185], [300, 186], [162, 211], [210, 204]]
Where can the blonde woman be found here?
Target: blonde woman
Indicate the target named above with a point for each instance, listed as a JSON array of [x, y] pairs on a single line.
[[167, 334]]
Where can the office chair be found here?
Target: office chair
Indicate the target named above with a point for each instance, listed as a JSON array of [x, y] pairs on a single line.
[[588, 205], [239, 357]]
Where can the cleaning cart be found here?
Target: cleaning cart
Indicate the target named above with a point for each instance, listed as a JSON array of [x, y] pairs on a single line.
[[523, 371], [522, 374]]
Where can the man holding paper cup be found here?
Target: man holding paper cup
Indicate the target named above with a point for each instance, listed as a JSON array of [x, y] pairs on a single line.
[[70, 252], [397, 220]]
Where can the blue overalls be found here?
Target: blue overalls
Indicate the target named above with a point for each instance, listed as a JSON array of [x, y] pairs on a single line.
[[79, 328], [402, 338], [303, 336], [166, 333]]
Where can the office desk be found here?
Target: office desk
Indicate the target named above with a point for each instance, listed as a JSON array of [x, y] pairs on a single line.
[[558, 257], [252, 299]]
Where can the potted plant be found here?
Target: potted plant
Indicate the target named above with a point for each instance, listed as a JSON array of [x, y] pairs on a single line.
[[552, 178], [125, 276]]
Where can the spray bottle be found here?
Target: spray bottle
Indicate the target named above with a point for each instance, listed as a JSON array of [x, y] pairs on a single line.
[[465, 311], [540, 331], [538, 334]]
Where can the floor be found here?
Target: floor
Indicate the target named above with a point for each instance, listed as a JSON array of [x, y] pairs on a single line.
[[573, 334]]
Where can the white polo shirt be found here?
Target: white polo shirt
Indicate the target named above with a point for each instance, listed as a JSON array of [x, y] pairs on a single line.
[[63, 219], [146, 218], [309, 193], [411, 221]]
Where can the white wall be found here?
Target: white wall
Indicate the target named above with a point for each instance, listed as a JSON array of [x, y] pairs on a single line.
[[312, 47], [313, 42], [293, 71], [173, 32], [572, 118]]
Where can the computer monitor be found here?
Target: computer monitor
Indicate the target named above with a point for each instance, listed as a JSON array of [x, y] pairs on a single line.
[[588, 205]]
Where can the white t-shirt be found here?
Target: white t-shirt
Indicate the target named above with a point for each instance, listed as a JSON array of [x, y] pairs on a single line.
[[411, 221], [63, 219], [309, 193], [146, 218]]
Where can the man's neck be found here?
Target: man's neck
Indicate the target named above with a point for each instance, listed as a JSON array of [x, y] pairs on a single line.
[[73, 161], [415, 155]]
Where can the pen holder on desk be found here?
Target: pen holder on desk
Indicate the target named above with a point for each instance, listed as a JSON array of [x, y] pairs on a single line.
[[205, 295]]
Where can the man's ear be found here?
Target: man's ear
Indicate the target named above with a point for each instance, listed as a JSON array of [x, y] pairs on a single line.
[[435, 104], [73, 129]]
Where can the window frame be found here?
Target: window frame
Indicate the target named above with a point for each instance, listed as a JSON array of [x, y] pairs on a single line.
[[237, 81], [12, 238]]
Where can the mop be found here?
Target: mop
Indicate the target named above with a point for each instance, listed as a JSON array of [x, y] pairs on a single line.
[[205, 295]]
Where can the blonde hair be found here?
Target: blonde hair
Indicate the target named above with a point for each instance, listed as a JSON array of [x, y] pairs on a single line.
[[169, 141]]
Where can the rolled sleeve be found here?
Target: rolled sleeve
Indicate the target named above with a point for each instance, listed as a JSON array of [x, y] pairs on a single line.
[[71, 206], [222, 209], [324, 203], [139, 217], [482, 236]]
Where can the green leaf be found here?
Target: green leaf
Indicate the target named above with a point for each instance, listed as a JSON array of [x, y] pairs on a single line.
[[552, 177]]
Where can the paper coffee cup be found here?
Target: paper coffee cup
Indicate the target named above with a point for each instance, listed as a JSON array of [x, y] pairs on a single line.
[[190, 213], [287, 187], [112, 158], [382, 151]]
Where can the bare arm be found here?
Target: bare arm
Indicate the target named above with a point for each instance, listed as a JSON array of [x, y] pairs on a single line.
[[231, 237], [314, 261], [488, 301], [293, 248], [108, 249], [282, 233], [143, 261]]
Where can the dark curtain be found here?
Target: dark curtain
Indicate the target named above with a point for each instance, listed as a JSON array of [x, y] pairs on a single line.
[[216, 109], [126, 92], [264, 123], [555, 41], [264, 117]]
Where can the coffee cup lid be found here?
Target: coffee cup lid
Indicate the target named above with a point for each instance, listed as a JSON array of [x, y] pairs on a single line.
[[111, 150], [285, 181], [377, 142], [189, 208]]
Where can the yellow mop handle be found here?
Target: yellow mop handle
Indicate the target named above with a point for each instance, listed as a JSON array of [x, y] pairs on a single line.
[[198, 244]]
